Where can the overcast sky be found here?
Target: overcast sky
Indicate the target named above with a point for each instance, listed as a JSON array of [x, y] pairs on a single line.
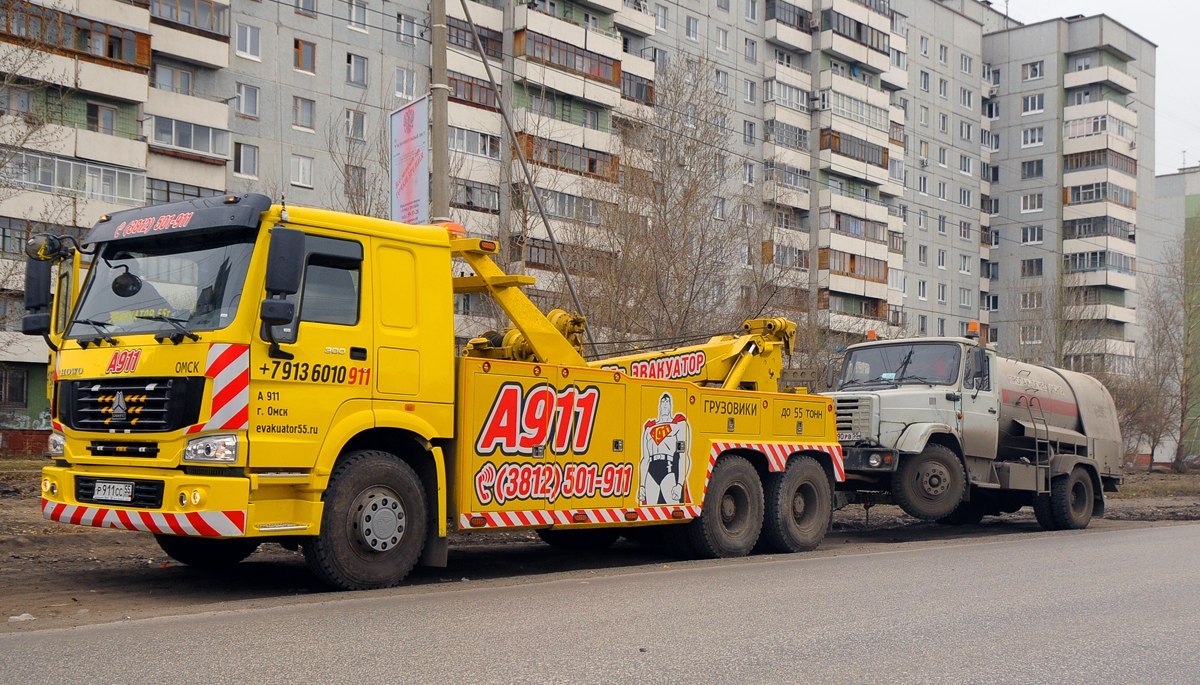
[[1170, 24]]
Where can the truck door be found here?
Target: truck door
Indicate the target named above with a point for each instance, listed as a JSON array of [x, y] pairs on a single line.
[[592, 450], [980, 404], [292, 401]]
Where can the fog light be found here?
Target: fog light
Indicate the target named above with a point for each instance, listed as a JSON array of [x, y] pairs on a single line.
[[45, 485], [55, 445], [195, 497], [183, 499], [874, 461], [54, 488], [219, 449]]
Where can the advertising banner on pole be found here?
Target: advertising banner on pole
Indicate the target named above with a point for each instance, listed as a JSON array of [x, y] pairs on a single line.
[[410, 162]]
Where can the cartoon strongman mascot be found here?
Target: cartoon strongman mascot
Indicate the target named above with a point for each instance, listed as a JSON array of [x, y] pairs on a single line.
[[665, 461]]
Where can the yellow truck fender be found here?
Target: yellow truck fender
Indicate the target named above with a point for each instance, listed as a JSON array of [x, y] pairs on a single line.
[[350, 419], [916, 436]]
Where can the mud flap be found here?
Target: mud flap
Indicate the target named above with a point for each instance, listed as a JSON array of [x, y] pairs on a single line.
[[437, 549]]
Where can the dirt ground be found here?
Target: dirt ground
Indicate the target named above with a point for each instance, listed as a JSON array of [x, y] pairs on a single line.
[[63, 575]]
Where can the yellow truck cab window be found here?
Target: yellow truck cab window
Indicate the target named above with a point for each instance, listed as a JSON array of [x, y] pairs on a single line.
[[331, 291]]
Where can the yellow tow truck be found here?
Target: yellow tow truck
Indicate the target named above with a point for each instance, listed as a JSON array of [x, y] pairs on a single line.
[[234, 371]]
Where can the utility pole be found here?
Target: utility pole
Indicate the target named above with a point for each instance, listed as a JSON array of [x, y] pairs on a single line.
[[439, 134]]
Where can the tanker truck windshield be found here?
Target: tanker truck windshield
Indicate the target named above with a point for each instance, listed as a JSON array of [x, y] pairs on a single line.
[[921, 363], [168, 286]]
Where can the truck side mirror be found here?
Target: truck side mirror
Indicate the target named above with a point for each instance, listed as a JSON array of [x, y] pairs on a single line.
[[285, 262], [37, 297], [829, 377]]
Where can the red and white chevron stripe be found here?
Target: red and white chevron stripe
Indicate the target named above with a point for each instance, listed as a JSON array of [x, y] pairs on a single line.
[[539, 517], [777, 454], [229, 367], [193, 523]]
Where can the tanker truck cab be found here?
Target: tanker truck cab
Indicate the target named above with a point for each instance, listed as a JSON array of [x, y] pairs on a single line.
[[951, 432]]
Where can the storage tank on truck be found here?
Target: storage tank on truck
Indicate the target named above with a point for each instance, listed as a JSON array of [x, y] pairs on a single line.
[[952, 432]]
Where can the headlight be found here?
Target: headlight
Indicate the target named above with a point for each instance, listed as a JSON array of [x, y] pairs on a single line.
[[56, 444], [220, 449], [874, 461]]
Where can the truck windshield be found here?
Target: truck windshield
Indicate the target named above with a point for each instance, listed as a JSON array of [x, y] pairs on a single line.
[[934, 363], [165, 284]]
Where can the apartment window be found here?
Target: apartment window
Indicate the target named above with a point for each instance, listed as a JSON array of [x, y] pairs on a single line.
[[1031, 202], [964, 264], [966, 164], [966, 98], [591, 118], [474, 143], [172, 78], [1031, 335], [406, 29], [751, 51], [718, 208], [941, 259], [1033, 136], [922, 324], [1033, 70], [693, 28], [922, 291], [302, 171], [1032, 168], [923, 115], [484, 197], [943, 88], [101, 118], [1033, 299], [922, 254], [748, 173], [941, 190], [751, 10], [1031, 268], [748, 132], [923, 220], [159, 191], [245, 159], [660, 17], [246, 102], [13, 384], [249, 43], [188, 136], [944, 123], [990, 303], [356, 124], [356, 69], [1031, 235], [303, 112], [966, 131], [306, 7], [924, 77], [923, 184], [1032, 104], [722, 82], [406, 83], [941, 224], [991, 109], [723, 40], [966, 298], [358, 14], [965, 228], [943, 54], [723, 5], [941, 292], [966, 63], [304, 56], [748, 91], [966, 197], [924, 43], [941, 156]]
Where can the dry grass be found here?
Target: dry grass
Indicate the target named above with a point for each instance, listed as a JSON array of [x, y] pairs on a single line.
[[1159, 484]]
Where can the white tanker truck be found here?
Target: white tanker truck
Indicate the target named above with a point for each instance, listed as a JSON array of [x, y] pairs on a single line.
[[951, 432]]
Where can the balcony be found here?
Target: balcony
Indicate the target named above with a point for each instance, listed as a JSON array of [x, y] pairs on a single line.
[[635, 17], [788, 25], [191, 46], [1100, 312], [1107, 75]]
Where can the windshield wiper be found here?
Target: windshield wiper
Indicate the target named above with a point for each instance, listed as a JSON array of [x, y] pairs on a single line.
[[919, 379], [177, 324], [100, 327], [859, 381]]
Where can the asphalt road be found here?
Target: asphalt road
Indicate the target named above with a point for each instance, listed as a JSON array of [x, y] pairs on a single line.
[[1079, 607]]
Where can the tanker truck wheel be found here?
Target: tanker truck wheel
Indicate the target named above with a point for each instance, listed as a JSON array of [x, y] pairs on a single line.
[[799, 506], [732, 516], [206, 553], [373, 526], [582, 540], [929, 485], [1043, 511], [1072, 499]]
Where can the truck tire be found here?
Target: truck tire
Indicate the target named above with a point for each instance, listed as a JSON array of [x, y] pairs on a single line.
[[582, 540], [799, 507], [206, 553], [929, 485], [732, 516], [1044, 512], [965, 514], [1072, 499], [374, 524]]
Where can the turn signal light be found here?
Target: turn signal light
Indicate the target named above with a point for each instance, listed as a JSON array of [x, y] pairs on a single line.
[[579, 518]]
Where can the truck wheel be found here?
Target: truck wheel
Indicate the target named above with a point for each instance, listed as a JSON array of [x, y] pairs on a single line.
[[929, 485], [965, 514], [206, 553], [799, 506], [373, 526], [1044, 512], [732, 516], [586, 539], [1071, 499]]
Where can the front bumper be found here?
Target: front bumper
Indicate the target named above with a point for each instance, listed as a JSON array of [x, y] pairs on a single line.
[[203, 506], [858, 459]]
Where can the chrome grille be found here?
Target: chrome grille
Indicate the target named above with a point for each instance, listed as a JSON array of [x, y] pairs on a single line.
[[854, 415]]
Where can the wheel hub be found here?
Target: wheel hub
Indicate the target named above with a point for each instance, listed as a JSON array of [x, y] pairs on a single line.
[[935, 479], [380, 519], [798, 505]]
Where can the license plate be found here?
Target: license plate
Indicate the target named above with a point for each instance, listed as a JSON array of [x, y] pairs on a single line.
[[113, 491], [849, 437]]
